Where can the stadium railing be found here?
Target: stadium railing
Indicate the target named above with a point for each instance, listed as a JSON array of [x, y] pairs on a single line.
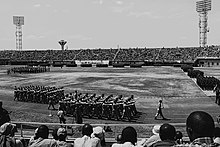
[[26, 129]]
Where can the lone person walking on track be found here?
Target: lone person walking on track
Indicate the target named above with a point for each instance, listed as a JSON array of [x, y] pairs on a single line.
[[159, 110], [217, 93]]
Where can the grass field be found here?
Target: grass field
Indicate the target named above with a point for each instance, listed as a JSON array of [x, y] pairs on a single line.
[[180, 94]]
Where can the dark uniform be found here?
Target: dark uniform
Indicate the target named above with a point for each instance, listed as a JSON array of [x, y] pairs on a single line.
[[51, 102], [78, 111], [60, 114]]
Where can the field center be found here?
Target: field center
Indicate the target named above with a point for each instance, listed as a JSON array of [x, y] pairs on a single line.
[[180, 94]]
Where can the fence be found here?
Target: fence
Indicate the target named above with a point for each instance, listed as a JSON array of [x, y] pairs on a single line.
[[26, 129]]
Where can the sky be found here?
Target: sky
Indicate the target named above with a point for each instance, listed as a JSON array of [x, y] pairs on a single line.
[[106, 23]]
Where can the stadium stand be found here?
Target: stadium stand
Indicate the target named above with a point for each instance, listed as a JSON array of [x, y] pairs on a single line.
[[184, 54]]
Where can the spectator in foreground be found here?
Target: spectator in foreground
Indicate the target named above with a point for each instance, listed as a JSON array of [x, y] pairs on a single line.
[[7, 132], [54, 134], [42, 138], [4, 115], [154, 138], [128, 137], [167, 135], [87, 140], [99, 133], [62, 134], [33, 138], [200, 129], [217, 135], [119, 141], [179, 137]]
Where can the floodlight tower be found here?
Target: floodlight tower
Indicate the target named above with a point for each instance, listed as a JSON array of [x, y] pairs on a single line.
[[62, 44], [202, 7], [18, 21]]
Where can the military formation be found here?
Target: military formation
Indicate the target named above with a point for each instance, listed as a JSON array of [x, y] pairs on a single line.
[[28, 69], [207, 83], [38, 94], [99, 106]]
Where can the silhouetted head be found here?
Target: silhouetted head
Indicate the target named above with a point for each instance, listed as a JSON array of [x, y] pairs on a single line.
[[54, 134], [199, 124], [167, 132], [179, 135], [43, 131], [62, 134], [118, 138], [129, 134], [87, 129]]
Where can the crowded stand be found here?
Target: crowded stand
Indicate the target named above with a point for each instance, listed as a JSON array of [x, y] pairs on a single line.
[[93, 106], [28, 69], [184, 54], [136, 54], [38, 94], [96, 54], [181, 54], [210, 51]]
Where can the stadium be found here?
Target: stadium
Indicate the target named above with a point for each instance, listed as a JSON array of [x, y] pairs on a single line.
[[182, 77]]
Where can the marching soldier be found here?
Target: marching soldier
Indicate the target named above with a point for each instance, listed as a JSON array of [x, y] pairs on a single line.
[[51, 102], [116, 110], [126, 110], [60, 114], [78, 114], [16, 93]]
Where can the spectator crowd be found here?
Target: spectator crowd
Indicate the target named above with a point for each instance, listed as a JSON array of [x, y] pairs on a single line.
[[200, 128], [185, 54]]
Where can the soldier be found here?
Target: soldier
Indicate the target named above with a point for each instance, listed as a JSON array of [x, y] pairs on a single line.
[[51, 102], [78, 113], [217, 93], [76, 95], [116, 109], [16, 93], [60, 114], [127, 110], [159, 110], [97, 107], [107, 108], [132, 105]]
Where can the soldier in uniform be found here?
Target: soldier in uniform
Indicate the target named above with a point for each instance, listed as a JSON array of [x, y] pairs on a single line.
[[16, 93], [60, 114], [78, 113], [107, 107], [51, 102], [159, 110], [217, 94], [116, 109], [127, 110]]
